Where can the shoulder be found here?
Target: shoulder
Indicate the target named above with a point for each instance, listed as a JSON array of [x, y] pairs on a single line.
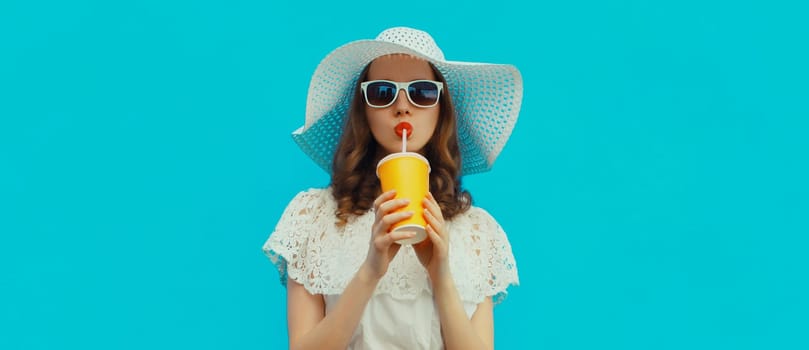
[[479, 213], [477, 219], [310, 201], [476, 227], [312, 195], [482, 262], [295, 246], [307, 211]]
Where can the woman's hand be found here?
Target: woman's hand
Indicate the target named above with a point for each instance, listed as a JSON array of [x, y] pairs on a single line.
[[383, 247], [433, 252]]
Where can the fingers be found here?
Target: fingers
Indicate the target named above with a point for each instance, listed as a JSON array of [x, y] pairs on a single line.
[[392, 205], [386, 203], [390, 219], [432, 205], [439, 242], [431, 219], [385, 219], [386, 216], [390, 238], [435, 221], [434, 236], [386, 242], [432, 210], [384, 198]]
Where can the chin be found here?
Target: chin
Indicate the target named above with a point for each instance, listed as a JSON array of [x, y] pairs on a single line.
[[410, 147]]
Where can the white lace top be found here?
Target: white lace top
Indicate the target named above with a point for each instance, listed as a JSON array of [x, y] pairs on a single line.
[[308, 247]]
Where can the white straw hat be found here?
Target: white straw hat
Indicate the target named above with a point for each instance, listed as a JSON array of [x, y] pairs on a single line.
[[486, 97]]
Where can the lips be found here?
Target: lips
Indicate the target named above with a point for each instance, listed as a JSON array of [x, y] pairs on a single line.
[[401, 127]]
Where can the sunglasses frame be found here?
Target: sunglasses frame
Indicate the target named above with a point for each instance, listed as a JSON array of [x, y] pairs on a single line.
[[401, 86]]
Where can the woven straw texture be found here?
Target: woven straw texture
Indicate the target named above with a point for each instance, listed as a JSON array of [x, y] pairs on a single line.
[[487, 97]]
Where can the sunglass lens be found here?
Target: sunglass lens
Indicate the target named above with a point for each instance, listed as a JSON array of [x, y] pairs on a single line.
[[380, 93], [423, 93]]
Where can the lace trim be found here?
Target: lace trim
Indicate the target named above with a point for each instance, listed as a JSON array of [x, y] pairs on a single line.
[[310, 249]]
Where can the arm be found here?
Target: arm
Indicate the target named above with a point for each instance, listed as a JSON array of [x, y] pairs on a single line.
[[458, 331], [309, 325], [311, 328]]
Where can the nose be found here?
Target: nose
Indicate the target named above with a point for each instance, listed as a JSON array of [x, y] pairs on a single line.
[[402, 104]]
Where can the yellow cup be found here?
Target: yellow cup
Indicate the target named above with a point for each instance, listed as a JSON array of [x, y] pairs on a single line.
[[409, 174]]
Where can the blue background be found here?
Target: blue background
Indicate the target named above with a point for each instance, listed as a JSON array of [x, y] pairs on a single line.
[[654, 190]]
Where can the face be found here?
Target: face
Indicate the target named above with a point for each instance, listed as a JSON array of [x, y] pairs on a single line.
[[382, 121]]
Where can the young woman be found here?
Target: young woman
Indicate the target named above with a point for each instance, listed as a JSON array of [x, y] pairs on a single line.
[[349, 283]]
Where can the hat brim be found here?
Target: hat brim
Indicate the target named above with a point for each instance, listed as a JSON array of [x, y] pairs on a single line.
[[487, 99]]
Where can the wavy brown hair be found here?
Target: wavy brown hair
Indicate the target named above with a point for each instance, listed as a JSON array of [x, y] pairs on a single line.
[[354, 183]]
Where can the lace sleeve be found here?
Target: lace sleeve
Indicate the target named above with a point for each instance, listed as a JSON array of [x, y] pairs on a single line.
[[488, 267], [287, 245]]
